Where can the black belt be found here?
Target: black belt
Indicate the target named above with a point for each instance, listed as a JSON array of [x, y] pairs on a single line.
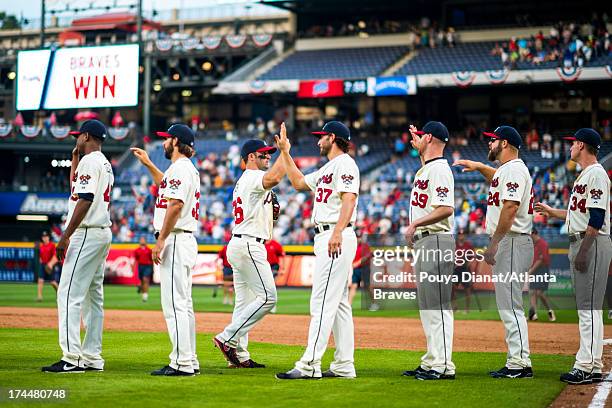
[[260, 240], [421, 235], [175, 231], [575, 237], [326, 227]]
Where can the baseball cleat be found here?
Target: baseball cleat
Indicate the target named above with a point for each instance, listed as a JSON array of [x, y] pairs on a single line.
[[171, 372], [577, 376], [597, 377], [331, 374], [228, 352], [247, 364], [412, 373], [98, 370], [295, 374], [196, 371], [433, 375], [551, 315], [62, 367], [506, 372]]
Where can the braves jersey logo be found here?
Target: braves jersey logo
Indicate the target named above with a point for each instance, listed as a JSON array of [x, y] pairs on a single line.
[[442, 192], [495, 182], [163, 184], [84, 179], [326, 179], [74, 178], [421, 184], [347, 179], [596, 194], [512, 187], [174, 184], [580, 188]]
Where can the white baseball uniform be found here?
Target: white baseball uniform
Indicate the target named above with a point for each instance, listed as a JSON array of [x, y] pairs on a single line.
[[512, 181], [329, 306], [180, 182], [80, 288], [434, 186], [253, 280], [591, 190]]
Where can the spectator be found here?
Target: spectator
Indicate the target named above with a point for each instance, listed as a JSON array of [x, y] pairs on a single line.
[[50, 268], [144, 261], [539, 268]]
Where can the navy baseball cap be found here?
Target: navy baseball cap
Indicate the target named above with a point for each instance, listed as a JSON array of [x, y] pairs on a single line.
[[337, 128], [588, 136], [508, 133], [183, 133], [94, 127], [255, 146], [436, 129]]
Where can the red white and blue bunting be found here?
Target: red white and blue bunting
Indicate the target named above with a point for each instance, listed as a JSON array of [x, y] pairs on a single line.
[[5, 129], [463, 79], [60, 132], [497, 77], [30, 131], [261, 40], [570, 74], [212, 42], [118, 133], [257, 87], [190, 43], [164, 44], [235, 40]]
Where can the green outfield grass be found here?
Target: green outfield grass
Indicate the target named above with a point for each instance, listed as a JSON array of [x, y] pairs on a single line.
[[131, 356], [290, 301]]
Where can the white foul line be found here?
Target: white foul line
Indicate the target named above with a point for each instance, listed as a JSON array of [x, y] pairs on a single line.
[[603, 390]]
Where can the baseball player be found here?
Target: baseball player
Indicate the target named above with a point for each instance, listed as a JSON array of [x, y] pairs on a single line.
[[254, 286], [49, 267], [432, 208], [590, 251], [335, 187], [83, 247], [509, 222], [174, 220]]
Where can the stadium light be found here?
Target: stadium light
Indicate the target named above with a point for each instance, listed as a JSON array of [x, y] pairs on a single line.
[[186, 92], [176, 76], [157, 87], [11, 75], [32, 217], [53, 163], [207, 66]]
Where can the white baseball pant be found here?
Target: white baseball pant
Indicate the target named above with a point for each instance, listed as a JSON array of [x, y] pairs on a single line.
[[80, 291], [178, 260], [330, 310]]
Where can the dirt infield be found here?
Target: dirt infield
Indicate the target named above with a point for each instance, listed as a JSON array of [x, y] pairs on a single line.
[[370, 332]]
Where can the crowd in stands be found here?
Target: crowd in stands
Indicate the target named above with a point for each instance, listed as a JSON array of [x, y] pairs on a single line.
[[566, 45]]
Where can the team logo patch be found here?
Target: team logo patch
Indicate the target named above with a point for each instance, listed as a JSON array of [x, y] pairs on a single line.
[[326, 179], [74, 178], [421, 184], [512, 187], [163, 184], [347, 179], [580, 188], [84, 179], [442, 192], [596, 194], [495, 182], [174, 184]]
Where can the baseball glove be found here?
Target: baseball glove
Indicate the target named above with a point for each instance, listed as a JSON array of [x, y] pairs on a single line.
[[275, 207]]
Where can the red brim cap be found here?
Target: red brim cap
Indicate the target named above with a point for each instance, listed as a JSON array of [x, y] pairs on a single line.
[[572, 138], [164, 134], [319, 133], [491, 135], [419, 132], [75, 133], [270, 149]]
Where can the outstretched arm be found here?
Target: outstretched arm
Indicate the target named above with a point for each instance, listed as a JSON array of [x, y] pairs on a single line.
[[549, 211], [143, 157], [469, 165], [277, 172], [293, 173]]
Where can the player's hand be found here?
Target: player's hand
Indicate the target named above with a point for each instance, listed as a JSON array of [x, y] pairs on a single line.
[[282, 141], [75, 153], [157, 250], [468, 165], [141, 155], [410, 235], [580, 262], [62, 247], [334, 246], [489, 255], [543, 209]]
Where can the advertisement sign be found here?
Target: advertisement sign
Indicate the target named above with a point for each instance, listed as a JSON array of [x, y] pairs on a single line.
[[392, 86], [121, 267], [80, 77], [322, 88], [355, 86], [33, 203]]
